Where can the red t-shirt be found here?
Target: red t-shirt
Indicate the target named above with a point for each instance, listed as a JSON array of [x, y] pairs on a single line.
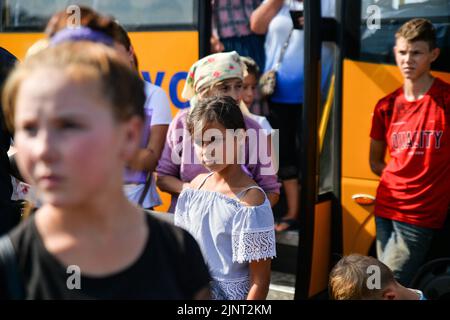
[[415, 185]]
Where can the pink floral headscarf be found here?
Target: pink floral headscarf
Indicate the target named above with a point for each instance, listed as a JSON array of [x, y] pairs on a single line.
[[210, 70]]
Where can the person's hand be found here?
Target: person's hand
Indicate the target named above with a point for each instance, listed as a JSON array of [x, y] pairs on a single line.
[[301, 21], [216, 45]]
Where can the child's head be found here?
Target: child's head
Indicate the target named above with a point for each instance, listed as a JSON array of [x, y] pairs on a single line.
[[208, 124], [93, 27], [415, 48], [219, 74], [357, 277], [77, 111], [250, 81]]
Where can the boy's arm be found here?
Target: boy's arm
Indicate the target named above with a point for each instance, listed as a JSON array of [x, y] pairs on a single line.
[[377, 154], [259, 279]]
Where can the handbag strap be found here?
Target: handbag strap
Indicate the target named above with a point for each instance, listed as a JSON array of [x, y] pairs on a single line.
[[148, 181], [11, 273], [283, 51]]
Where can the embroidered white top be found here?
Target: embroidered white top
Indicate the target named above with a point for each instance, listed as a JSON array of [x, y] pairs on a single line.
[[230, 236]]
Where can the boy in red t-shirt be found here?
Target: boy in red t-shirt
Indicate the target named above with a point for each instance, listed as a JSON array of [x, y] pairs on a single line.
[[413, 123]]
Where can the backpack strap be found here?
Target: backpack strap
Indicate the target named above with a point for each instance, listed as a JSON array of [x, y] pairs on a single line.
[[12, 279]]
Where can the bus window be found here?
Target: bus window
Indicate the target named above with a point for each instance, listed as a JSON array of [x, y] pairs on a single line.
[[327, 160], [377, 43], [21, 15], [326, 138]]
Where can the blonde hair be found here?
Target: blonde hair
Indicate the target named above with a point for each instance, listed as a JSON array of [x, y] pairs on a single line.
[[348, 278], [81, 61], [418, 30], [36, 47]]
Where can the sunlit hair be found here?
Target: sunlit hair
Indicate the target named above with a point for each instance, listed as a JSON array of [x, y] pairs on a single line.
[[84, 62], [348, 278], [222, 110], [418, 30]]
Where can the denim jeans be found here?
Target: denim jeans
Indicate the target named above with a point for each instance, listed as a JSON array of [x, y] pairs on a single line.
[[402, 247]]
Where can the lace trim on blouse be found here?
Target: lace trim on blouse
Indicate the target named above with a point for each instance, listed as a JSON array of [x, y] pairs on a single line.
[[253, 245]]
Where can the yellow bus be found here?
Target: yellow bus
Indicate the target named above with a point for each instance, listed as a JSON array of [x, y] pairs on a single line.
[[338, 187]]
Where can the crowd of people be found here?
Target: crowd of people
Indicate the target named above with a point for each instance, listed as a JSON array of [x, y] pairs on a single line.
[[94, 140]]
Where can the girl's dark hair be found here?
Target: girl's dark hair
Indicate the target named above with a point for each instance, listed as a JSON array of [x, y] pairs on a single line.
[[252, 66], [122, 36], [224, 110]]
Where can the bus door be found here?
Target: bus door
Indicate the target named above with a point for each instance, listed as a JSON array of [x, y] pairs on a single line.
[[303, 256], [168, 36]]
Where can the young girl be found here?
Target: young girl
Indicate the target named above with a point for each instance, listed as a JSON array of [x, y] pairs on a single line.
[[218, 74], [225, 211], [77, 111], [249, 87]]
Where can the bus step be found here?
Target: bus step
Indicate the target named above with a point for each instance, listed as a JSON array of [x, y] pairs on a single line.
[[287, 248], [282, 286]]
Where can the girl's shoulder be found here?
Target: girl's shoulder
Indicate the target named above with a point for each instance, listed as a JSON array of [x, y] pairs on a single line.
[[253, 197], [198, 180]]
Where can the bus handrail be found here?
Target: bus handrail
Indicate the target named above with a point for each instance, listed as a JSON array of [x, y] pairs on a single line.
[[326, 114]]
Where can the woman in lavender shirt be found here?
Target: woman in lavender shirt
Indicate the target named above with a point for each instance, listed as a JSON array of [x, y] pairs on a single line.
[[218, 74]]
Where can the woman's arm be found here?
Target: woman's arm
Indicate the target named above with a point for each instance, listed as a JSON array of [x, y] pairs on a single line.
[[261, 17], [376, 157], [147, 159], [170, 184], [259, 279]]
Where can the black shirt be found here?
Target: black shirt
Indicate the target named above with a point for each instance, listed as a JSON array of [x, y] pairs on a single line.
[[170, 267]]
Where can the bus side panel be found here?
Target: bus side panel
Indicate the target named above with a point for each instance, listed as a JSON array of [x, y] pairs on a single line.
[[357, 221], [165, 58], [320, 266], [364, 84], [18, 43]]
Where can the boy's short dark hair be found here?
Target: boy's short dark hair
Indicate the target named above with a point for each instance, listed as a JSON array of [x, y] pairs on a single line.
[[223, 110], [418, 29], [348, 278], [252, 66]]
